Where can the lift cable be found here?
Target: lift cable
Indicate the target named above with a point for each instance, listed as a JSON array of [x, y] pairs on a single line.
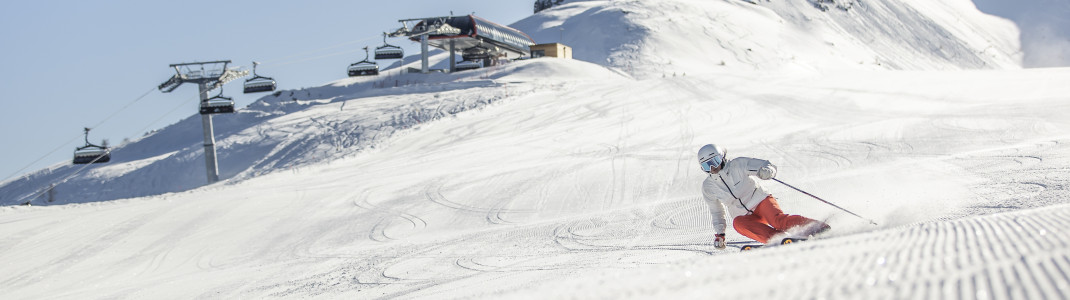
[[295, 58], [40, 192], [78, 136], [307, 55]]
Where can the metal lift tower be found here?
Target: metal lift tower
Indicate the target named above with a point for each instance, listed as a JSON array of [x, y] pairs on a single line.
[[206, 79]]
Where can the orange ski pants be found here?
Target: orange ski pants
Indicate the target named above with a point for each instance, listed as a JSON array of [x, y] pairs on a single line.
[[767, 220]]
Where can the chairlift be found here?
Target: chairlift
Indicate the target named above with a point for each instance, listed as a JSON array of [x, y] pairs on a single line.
[[388, 51], [258, 83], [90, 153], [475, 53], [217, 105], [364, 67], [467, 65]]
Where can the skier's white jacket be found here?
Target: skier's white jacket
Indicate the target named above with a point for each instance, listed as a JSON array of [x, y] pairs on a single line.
[[736, 188]]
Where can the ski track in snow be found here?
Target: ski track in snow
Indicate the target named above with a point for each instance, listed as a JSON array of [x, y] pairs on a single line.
[[1020, 255]]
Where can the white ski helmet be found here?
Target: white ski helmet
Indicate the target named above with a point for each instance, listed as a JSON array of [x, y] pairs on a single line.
[[711, 158]]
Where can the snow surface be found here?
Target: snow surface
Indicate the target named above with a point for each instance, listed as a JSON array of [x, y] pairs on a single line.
[[553, 178]]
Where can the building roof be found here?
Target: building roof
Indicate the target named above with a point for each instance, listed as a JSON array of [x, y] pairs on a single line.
[[478, 32]]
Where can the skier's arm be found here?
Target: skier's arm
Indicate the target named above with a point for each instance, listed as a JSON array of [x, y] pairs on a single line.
[[759, 167], [717, 210], [717, 213]]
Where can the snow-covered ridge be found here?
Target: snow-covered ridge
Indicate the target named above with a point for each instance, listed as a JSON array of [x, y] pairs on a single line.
[[662, 38]]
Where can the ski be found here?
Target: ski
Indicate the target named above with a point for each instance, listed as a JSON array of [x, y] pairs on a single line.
[[789, 240], [749, 247], [785, 241]]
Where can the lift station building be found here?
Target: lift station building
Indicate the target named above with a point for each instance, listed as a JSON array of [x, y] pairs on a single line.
[[479, 41], [551, 50]]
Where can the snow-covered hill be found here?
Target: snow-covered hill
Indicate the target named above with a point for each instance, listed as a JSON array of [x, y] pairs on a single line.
[[589, 188], [646, 39], [661, 38], [556, 178]]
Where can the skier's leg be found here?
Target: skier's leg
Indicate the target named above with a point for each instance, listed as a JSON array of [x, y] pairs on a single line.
[[753, 227], [769, 209]]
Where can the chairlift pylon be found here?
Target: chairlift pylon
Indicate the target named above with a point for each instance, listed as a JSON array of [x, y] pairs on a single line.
[[258, 83], [364, 67], [218, 104], [388, 51], [90, 153]]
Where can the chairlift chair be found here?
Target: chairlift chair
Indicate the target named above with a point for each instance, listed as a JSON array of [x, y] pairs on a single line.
[[217, 105], [467, 65], [475, 53], [258, 83], [364, 67], [388, 51], [91, 153]]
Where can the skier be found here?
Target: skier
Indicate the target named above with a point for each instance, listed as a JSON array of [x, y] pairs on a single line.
[[756, 214]]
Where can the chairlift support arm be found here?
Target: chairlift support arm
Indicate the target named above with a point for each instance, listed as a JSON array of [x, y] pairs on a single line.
[[87, 143], [366, 56], [428, 28], [212, 82]]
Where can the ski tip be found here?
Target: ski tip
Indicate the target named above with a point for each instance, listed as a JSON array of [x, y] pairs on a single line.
[[787, 241], [749, 247]]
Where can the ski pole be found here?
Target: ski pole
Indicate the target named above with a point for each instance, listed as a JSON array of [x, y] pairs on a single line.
[[823, 200]]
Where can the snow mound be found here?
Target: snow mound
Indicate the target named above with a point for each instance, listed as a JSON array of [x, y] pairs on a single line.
[[291, 129], [557, 69]]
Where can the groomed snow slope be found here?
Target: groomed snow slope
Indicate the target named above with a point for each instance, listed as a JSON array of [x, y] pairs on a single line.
[[560, 191], [1019, 255]]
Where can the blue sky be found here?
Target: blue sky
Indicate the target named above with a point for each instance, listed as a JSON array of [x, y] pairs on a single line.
[[1044, 26], [65, 65]]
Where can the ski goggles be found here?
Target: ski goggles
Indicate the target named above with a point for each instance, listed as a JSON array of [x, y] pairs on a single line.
[[713, 164]]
